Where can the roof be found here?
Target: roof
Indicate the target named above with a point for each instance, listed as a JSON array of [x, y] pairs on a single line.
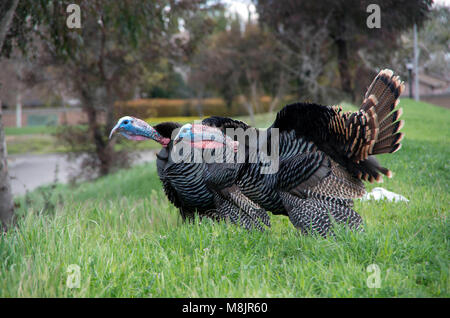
[[433, 81]]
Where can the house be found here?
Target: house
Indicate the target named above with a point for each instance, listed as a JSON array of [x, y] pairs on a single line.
[[432, 89]]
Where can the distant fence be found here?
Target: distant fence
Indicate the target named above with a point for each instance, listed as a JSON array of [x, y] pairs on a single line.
[[45, 116], [441, 100]]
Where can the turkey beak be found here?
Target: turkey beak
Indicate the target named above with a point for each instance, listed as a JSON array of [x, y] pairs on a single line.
[[114, 130], [177, 140]]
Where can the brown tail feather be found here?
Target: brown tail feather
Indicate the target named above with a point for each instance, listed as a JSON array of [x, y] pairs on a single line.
[[389, 149], [390, 141], [369, 102], [374, 129], [391, 129], [377, 86], [388, 135], [393, 117], [381, 100], [387, 89]]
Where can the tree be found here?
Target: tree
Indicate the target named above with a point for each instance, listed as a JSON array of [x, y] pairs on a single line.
[[434, 39], [242, 63], [101, 62], [345, 22], [303, 56], [7, 10]]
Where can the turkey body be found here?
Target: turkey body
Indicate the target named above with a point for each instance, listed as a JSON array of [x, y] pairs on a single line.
[[308, 187], [264, 188], [185, 183]]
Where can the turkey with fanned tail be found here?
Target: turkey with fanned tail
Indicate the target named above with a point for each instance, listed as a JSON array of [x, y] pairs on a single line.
[[324, 155]]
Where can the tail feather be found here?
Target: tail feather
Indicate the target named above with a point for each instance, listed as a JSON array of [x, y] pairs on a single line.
[[387, 89], [378, 85], [369, 102], [393, 117], [388, 141], [389, 149], [391, 88], [380, 105], [392, 129]]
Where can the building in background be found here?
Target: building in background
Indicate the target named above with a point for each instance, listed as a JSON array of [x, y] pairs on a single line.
[[432, 89]]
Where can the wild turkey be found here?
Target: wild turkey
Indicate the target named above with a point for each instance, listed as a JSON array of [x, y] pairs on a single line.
[[182, 181], [324, 154], [231, 204]]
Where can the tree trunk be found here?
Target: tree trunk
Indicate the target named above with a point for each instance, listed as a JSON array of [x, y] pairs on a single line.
[[255, 98], [344, 72], [6, 22], [248, 105], [6, 199], [103, 149], [280, 92]]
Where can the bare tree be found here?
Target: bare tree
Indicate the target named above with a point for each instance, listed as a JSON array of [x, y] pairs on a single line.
[[237, 63], [346, 27], [6, 199], [303, 55]]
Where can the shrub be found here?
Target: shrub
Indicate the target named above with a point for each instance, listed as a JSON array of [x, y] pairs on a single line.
[[163, 107]]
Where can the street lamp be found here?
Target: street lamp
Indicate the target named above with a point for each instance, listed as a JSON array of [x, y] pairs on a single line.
[[410, 66]]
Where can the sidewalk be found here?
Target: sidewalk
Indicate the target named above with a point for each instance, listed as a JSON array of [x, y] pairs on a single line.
[[28, 172]]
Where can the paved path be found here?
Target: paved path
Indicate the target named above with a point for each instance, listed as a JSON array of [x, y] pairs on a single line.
[[31, 171]]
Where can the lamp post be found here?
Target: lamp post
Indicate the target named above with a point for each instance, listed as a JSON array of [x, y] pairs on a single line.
[[409, 66], [416, 66]]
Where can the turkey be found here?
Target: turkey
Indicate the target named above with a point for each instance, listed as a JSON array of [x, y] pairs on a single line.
[[182, 181], [324, 156], [220, 178]]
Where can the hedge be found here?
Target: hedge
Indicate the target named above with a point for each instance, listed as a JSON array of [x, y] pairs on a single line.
[[163, 107]]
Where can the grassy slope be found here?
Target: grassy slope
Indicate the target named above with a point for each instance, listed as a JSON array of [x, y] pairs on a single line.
[[129, 241]]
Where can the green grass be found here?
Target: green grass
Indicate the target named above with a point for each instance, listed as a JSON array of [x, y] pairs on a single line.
[[37, 140], [30, 130], [32, 140], [129, 241], [33, 144]]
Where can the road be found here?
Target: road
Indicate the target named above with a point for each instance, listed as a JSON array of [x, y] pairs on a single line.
[[31, 171]]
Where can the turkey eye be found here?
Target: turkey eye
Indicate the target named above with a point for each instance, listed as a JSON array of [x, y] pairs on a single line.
[[125, 122]]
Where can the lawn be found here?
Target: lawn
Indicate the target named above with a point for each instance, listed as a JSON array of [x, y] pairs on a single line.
[[128, 241], [42, 139]]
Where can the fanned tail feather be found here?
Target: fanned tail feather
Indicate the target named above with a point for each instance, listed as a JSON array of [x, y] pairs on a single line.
[[386, 89], [380, 105]]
